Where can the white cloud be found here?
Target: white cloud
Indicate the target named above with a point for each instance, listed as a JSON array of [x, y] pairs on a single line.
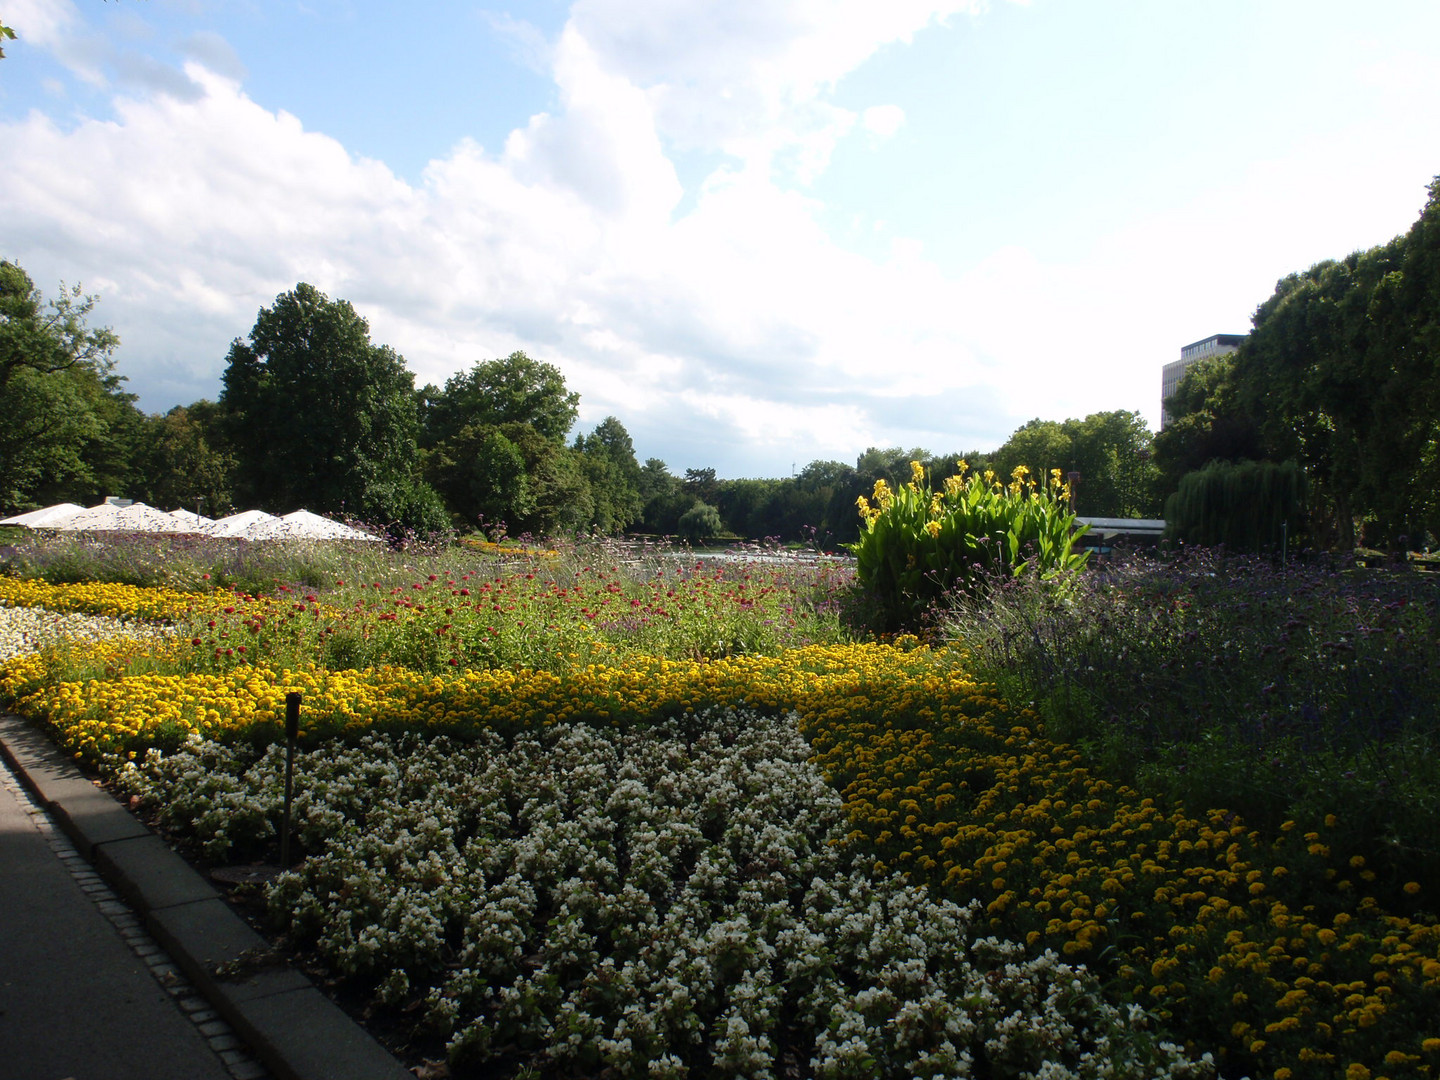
[[41, 23], [749, 77], [883, 121], [212, 50]]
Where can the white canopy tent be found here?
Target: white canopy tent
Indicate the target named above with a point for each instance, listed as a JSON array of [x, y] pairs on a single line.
[[110, 516], [46, 518], [238, 524]]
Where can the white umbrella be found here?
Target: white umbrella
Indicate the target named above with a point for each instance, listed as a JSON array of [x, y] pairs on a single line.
[[322, 528], [47, 518], [103, 517], [189, 517], [142, 518], [237, 524], [191, 522]]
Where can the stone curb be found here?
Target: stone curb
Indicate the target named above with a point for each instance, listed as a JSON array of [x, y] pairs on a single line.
[[292, 1027]]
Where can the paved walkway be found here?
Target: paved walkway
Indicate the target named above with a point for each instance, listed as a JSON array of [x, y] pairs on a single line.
[[76, 998], [118, 961]]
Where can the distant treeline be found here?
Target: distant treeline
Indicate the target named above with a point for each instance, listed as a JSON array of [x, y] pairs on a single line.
[[313, 414]]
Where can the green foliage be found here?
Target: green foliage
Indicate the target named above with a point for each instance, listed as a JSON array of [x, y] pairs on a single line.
[[664, 498], [181, 460], [1247, 506], [481, 476], [1206, 424], [1340, 374], [607, 458], [917, 545], [319, 417], [68, 427], [1110, 451], [700, 523], [515, 390]]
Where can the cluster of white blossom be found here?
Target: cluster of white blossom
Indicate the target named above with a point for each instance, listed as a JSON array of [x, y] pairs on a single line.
[[25, 629], [671, 902]]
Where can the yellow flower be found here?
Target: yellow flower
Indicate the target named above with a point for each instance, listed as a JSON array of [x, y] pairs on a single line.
[[1412, 887], [1356, 1071], [933, 528], [917, 473]]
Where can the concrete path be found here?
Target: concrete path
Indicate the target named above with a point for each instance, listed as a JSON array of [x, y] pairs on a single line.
[[75, 998], [117, 960]]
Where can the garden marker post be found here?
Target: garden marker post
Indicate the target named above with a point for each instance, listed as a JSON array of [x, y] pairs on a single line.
[[292, 729]]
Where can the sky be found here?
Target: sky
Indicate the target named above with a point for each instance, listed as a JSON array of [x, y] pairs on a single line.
[[758, 232]]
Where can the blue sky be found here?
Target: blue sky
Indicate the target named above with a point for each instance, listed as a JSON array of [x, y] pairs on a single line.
[[760, 232]]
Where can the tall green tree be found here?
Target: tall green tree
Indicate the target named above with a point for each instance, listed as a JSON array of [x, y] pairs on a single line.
[[68, 426], [482, 477], [1342, 373], [1110, 450], [665, 498], [1039, 445], [560, 499], [321, 418], [608, 459], [183, 461]]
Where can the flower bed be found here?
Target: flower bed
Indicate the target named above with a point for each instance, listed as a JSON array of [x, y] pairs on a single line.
[[1269, 953], [675, 900], [1265, 950]]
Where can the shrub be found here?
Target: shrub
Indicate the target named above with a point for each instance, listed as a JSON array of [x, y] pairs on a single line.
[[700, 522], [1244, 505], [916, 545]]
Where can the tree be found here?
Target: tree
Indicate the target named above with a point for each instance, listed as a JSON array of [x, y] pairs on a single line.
[[702, 484], [1206, 425], [482, 477], [321, 418], [515, 390], [5, 34], [68, 426], [608, 460], [1039, 445], [1112, 453], [700, 523], [181, 460], [1249, 506], [665, 498], [559, 492]]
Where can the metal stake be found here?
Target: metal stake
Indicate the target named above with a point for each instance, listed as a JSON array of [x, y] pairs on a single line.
[[292, 730]]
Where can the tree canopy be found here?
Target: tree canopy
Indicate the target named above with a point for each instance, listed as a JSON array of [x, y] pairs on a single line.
[[319, 417], [515, 390], [1341, 374], [69, 426]]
